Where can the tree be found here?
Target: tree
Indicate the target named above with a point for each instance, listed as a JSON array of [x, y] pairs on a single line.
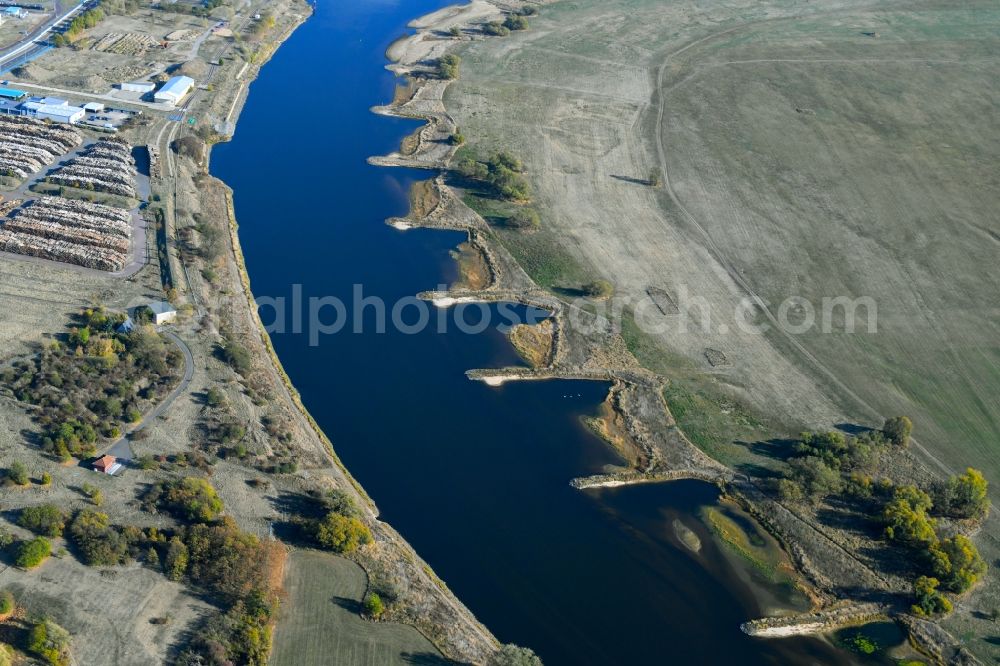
[[524, 218], [32, 553], [515, 22], [601, 289], [341, 534], [373, 605], [957, 563], [45, 519], [18, 473], [191, 498], [448, 66], [50, 642], [898, 429], [472, 169], [905, 518], [656, 176], [454, 31], [496, 29], [99, 543], [964, 496], [6, 603], [929, 600], [514, 655], [175, 562]]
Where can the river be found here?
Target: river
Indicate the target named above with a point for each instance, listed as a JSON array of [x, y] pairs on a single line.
[[474, 477]]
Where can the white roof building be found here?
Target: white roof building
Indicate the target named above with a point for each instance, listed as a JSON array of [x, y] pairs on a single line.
[[93, 107], [62, 113], [138, 86], [174, 90], [163, 312]]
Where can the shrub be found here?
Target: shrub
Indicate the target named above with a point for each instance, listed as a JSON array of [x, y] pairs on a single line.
[[496, 29], [373, 605], [32, 553], [46, 479], [341, 534], [214, 397], [50, 642], [514, 655], [18, 473], [237, 356], [45, 519], [340, 502]]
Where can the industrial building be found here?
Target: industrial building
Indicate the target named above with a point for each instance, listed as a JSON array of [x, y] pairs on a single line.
[[174, 90], [41, 108], [10, 93], [138, 86]]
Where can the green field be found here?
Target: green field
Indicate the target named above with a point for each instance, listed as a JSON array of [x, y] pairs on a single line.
[[320, 623]]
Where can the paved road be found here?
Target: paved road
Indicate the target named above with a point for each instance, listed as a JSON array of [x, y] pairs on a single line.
[[121, 448], [30, 42]]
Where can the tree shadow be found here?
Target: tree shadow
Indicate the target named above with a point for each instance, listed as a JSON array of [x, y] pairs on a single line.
[[629, 179], [757, 471], [854, 429], [301, 507], [776, 448], [348, 604]]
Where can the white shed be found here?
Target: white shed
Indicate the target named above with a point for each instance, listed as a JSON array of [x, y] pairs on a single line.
[[93, 107], [138, 86], [163, 312]]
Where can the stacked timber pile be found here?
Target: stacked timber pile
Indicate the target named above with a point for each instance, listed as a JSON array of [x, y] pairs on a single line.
[[27, 145], [105, 166], [75, 232]]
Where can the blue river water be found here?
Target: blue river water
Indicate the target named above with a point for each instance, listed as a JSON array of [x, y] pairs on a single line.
[[474, 477]]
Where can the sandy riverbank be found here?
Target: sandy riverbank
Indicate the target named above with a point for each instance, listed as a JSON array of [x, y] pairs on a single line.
[[431, 607]]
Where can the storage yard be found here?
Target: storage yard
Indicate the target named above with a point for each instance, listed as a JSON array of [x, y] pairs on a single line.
[[76, 232], [105, 166], [26, 145]]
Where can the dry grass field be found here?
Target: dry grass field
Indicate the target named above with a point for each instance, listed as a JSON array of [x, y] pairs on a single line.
[[320, 622], [809, 150], [803, 159]]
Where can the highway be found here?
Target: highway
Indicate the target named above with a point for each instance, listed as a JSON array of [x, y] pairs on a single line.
[[34, 41]]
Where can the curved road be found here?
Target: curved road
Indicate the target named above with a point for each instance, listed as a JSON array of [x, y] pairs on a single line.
[[121, 448]]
